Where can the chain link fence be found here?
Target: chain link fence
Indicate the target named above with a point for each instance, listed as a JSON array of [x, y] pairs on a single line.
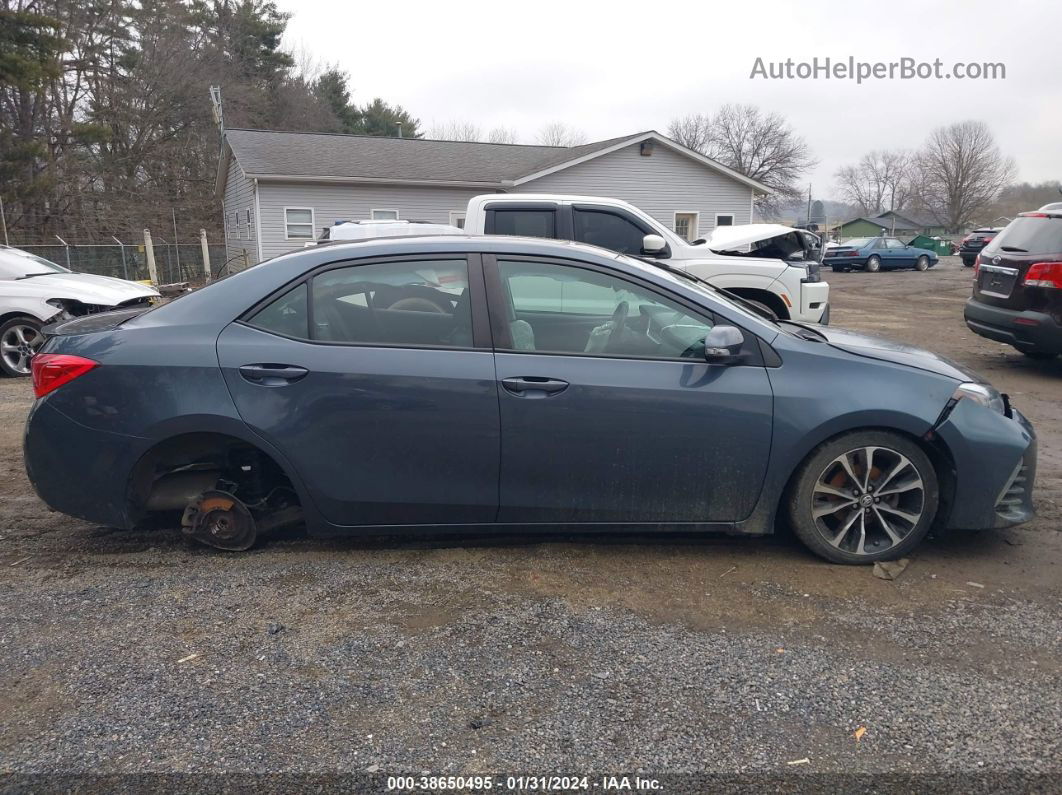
[[173, 262]]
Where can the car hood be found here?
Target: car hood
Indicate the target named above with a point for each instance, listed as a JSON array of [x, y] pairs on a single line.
[[84, 287], [897, 352], [727, 238]]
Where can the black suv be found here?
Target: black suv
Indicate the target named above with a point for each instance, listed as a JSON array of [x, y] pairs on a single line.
[[972, 244], [1017, 295]]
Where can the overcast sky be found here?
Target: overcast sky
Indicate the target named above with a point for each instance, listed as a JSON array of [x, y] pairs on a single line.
[[612, 68]]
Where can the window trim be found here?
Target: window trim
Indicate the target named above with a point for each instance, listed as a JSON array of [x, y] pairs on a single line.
[[458, 214], [372, 214], [503, 340], [313, 223], [733, 218], [696, 223], [481, 331], [250, 228]]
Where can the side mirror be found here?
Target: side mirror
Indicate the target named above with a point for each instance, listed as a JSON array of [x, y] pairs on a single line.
[[653, 244], [796, 256], [723, 345]]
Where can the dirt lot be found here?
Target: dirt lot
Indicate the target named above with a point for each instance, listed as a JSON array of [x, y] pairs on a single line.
[[124, 651]]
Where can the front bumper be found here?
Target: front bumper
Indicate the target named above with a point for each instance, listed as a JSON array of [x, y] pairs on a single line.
[[814, 302], [995, 466], [1036, 331]]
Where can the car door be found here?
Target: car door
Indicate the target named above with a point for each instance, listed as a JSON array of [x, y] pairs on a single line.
[[376, 380], [609, 228], [899, 254], [609, 412]]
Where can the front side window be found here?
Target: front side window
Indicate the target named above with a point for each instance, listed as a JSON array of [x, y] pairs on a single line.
[[394, 303], [608, 230], [298, 223], [563, 309], [526, 223], [894, 243]]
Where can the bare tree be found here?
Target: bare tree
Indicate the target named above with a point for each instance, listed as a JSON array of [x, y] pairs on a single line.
[[455, 131], [558, 133], [881, 181], [693, 132], [961, 172], [503, 135], [758, 144]]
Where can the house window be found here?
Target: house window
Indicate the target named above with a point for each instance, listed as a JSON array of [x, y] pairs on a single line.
[[236, 224], [686, 226], [724, 219], [298, 223], [250, 229], [384, 215], [457, 218]]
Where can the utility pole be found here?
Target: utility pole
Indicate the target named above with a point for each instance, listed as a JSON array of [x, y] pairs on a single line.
[[176, 248], [3, 220], [809, 204]]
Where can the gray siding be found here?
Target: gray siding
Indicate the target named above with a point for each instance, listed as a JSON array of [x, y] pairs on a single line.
[[345, 202], [660, 185], [240, 239]]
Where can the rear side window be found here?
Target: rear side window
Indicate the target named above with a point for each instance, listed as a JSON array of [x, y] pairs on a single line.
[[1032, 235], [526, 223], [394, 303], [608, 230], [286, 315]]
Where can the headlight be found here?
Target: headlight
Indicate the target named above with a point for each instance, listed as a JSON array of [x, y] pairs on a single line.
[[984, 394]]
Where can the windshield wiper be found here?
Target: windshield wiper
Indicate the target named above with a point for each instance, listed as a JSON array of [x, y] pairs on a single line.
[[806, 332], [1014, 249], [737, 299], [31, 275]]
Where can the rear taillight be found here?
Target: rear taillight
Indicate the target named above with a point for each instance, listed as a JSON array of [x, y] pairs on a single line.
[[52, 370], [987, 240], [977, 265], [1044, 274]]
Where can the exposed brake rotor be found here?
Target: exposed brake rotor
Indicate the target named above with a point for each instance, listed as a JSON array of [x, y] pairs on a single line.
[[220, 520]]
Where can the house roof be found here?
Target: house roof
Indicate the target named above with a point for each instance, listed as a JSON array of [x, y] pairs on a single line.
[[302, 156], [917, 219], [875, 221]]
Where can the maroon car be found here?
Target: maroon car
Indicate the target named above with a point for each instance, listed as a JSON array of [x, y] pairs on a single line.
[[1017, 295]]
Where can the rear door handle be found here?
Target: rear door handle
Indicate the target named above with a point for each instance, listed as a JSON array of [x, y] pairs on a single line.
[[531, 386], [272, 374]]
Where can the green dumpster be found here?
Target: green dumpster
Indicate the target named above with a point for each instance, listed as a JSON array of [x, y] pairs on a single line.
[[937, 245]]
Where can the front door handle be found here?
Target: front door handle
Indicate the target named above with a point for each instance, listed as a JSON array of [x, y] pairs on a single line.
[[272, 374], [531, 386]]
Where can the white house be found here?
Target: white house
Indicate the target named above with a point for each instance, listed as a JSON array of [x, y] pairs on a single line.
[[281, 189]]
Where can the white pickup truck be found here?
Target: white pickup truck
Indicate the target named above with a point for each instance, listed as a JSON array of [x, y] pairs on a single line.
[[773, 266]]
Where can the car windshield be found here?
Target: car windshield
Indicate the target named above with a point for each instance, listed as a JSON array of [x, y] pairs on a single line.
[[859, 242], [1033, 234], [15, 264]]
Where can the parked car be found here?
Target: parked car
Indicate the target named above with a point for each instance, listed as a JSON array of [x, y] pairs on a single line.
[[562, 386], [35, 291], [878, 253], [971, 245], [775, 267], [1017, 293]]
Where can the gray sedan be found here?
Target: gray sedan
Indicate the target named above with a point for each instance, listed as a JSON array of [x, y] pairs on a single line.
[[437, 383]]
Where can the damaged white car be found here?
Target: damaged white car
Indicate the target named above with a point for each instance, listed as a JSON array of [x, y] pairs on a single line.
[[35, 292]]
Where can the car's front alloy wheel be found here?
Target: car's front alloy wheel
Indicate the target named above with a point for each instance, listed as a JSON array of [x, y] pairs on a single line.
[[922, 264], [20, 338], [864, 497]]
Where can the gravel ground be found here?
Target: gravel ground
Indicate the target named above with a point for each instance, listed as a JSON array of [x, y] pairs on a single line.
[[133, 652]]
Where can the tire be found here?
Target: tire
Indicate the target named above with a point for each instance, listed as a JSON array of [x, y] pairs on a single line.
[[1040, 356], [19, 339], [839, 269], [884, 521], [967, 263], [922, 263], [873, 264]]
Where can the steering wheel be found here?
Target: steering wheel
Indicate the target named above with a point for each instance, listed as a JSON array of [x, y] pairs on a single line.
[[619, 320]]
